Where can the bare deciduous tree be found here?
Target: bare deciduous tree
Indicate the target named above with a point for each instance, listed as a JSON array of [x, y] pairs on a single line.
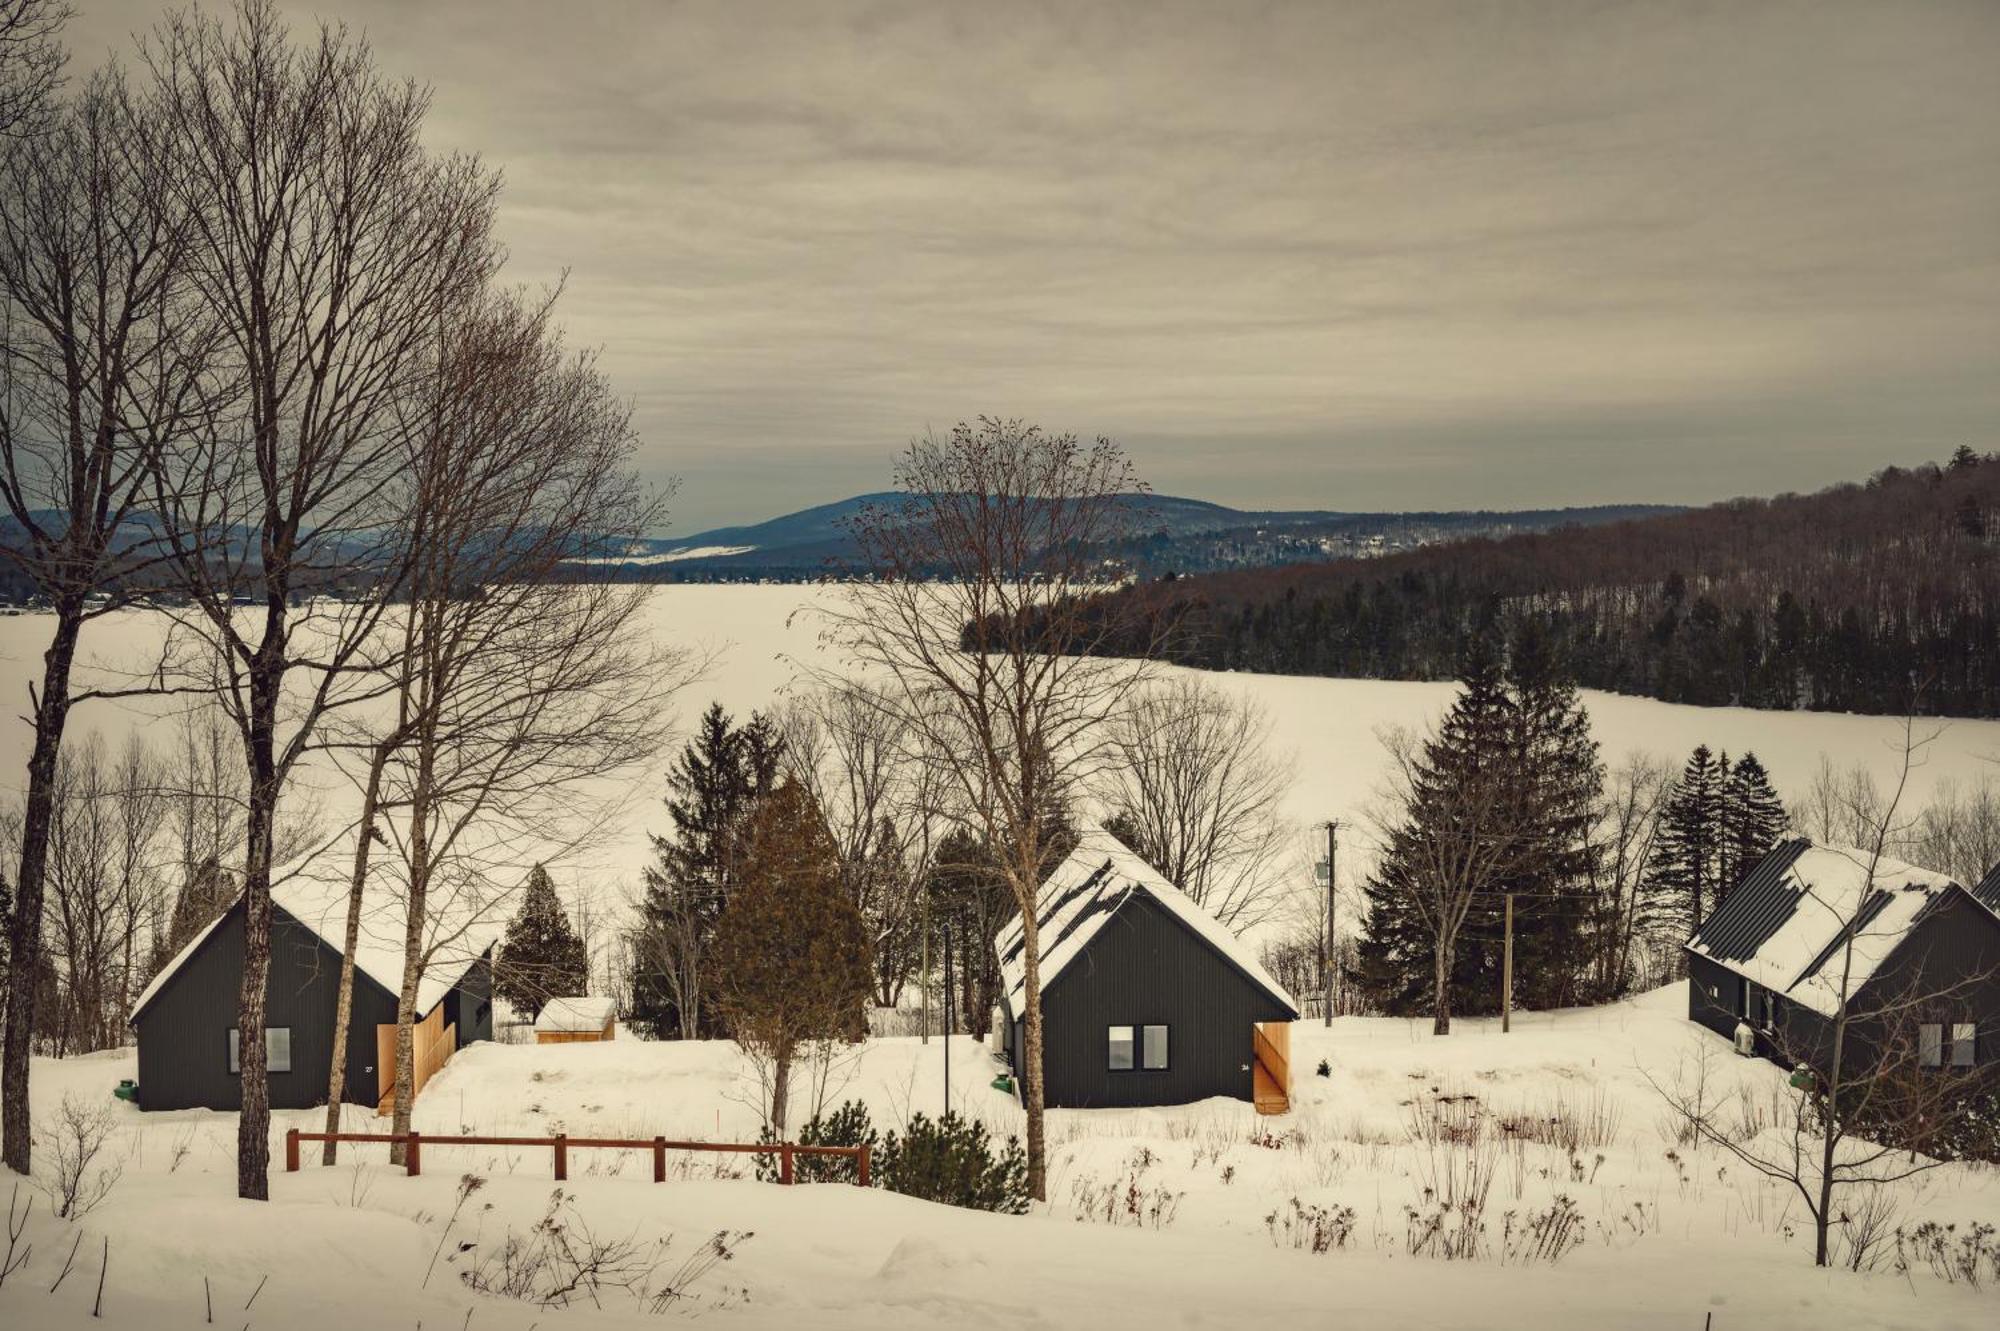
[[328, 244], [1194, 781], [1626, 828], [31, 62], [979, 614], [104, 365], [519, 676]]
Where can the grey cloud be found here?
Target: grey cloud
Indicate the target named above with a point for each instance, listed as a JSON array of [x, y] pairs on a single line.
[[1391, 255]]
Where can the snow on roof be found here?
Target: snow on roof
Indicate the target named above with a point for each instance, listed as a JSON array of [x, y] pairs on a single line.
[[1811, 906], [1085, 891], [459, 937], [578, 1012]]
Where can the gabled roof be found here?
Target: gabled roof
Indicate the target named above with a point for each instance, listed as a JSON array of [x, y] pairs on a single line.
[[579, 1012], [1988, 891], [1786, 926], [1086, 891], [378, 956]]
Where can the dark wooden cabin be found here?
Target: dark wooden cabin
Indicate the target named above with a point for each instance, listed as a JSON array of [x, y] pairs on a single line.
[[186, 1018], [1146, 998], [1924, 965]]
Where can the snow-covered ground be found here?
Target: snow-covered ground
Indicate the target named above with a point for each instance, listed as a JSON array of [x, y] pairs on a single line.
[[1671, 1237], [759, 642]]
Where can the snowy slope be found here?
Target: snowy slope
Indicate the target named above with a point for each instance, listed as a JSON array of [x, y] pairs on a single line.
[[1673, 1238]]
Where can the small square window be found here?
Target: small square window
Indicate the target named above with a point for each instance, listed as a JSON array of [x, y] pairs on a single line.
[[1154, 1048], [1961, 1044], [1930, 1044], [1121, 1048], [277, 1050]]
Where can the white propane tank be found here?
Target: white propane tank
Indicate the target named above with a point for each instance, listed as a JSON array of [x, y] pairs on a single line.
[[1746, 1040]]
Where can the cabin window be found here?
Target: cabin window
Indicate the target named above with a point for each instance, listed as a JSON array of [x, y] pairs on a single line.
[[1930, 1044], [1121, 1049], [277, 1050], [1961, 1044], [1154, 1049]]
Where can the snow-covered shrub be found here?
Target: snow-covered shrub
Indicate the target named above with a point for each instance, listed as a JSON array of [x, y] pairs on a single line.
[[1971, 1258], [1575, 1124], [77, 1175], [1310, 1228], [1544, 1236], [559, 1261], [848, 1125], [1126, 1199], [953, 1160], [1864, 1227]]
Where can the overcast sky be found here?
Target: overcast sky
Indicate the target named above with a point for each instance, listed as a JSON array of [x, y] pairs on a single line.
[[1341, 256]]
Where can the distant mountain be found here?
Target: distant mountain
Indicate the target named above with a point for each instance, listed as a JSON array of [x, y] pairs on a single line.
[[1170, 534]]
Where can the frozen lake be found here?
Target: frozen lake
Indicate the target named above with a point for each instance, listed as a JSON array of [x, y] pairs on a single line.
[[759, 645]]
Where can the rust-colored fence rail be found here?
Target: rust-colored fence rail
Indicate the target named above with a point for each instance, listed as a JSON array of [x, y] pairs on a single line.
[[414, 1142]]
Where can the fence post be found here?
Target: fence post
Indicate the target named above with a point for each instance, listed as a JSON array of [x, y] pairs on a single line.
[[291, 1150], [785, 1164], [414, 1157], [861, 1170], [562, 1157], [659, 1159]]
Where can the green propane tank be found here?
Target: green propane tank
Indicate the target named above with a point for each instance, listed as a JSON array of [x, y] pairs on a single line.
[[127, 1090], [1802, 1078]]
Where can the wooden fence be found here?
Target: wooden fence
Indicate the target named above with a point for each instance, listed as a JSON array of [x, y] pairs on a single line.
[[659, 1146], [432, 1044]]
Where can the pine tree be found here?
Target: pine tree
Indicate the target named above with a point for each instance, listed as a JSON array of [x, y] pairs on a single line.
[[541, 957], [1753, 819], [791, 959]]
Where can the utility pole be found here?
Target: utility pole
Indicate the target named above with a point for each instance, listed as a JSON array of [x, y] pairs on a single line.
[[1507, 970], [1332, 898], [947, 1016]]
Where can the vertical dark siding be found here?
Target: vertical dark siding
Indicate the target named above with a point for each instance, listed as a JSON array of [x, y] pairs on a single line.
[[1146, 968], [469, 1005], [184, 1031], [1953, 952], [1717, 1011]]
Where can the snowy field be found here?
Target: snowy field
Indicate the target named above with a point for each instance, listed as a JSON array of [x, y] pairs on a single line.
[[1156, 1218], [761, 642]]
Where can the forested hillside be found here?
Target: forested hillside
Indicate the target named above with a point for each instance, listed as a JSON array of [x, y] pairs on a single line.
[[1844, 600]]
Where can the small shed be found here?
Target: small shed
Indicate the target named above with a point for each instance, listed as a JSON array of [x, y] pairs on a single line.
[[1147, 999], [576, 1018]]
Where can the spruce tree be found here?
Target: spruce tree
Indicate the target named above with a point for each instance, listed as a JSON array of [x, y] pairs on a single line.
[[1681, 876], [1561, 782], [541, 957], [1753, 820], [1476, 745], [710, 788]]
